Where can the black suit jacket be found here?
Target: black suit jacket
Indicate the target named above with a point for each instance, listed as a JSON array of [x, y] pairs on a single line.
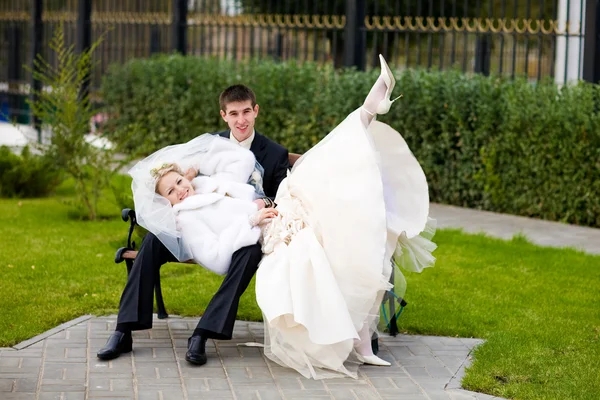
[[272, 157]]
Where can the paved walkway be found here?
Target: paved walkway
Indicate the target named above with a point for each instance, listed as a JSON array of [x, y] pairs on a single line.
[[544, 233], [61, 364]]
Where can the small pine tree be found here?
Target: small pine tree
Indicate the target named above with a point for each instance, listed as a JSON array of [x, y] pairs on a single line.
[[65, 109]]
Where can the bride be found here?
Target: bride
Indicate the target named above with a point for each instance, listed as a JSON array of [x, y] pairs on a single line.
[[353, 208]]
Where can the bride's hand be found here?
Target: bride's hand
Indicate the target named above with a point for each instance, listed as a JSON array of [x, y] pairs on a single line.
[[266, 213], [191, 174]]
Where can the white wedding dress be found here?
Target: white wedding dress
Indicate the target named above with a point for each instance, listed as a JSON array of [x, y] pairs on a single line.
[[351, 204]]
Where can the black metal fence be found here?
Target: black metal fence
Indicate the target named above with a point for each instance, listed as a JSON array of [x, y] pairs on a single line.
[[536, 39]]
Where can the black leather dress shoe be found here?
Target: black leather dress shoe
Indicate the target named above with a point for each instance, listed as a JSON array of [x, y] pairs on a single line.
[[196, 353], [117, 344]]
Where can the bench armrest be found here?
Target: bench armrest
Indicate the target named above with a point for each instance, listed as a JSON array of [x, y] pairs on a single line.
[[127, 214]]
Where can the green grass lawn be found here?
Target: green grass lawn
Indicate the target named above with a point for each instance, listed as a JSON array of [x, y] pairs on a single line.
[[538, 308]]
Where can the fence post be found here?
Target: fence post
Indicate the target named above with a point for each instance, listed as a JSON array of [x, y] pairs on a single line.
[[15, 103], [354, 36], [180, 26], [591, 51], [278, 51], [84, 37], [154, 40], [13, 32], [37, 35], [482, 55]]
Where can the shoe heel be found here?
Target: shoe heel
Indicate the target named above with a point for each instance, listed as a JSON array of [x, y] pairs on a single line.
[[127, 347], [385, 104]]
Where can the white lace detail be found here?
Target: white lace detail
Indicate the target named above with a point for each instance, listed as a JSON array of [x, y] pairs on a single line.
[[281, 229]]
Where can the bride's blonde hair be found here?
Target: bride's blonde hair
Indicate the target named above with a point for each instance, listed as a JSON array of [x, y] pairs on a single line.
[[160, 172]]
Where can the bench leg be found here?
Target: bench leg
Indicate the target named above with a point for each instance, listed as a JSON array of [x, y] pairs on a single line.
[[375, 343], [162, 312]]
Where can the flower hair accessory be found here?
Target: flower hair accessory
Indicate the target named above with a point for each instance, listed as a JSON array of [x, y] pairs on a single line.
[[155, 172], [161, 170]]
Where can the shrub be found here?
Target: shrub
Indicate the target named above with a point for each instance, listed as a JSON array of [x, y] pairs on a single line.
[[121, 188], [26, 175], [505, 145], [484, 142], [171, 99]]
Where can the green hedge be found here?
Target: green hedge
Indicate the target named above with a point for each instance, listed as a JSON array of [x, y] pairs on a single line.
[[170, 99], [27, 174], [495, 144]]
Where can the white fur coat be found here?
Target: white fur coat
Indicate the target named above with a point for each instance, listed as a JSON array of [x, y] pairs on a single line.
[[215, 222], [223, 160]]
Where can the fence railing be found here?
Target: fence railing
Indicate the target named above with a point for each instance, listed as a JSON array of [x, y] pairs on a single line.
[[539, 39]]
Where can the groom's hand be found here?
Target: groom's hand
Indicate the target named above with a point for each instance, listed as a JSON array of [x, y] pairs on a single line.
[[260, 203]]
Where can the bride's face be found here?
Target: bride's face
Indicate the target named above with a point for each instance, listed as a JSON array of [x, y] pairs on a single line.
[[175, 187]]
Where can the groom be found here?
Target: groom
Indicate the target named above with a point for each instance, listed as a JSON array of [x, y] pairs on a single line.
[[239, 110]]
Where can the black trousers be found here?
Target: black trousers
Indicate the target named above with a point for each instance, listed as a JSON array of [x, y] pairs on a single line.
[[137, 300]]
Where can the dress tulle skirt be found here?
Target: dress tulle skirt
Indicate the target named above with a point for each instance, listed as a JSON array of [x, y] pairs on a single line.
[[351, 204]]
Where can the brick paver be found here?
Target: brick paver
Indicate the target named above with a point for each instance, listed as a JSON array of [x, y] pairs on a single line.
[[62, 365]]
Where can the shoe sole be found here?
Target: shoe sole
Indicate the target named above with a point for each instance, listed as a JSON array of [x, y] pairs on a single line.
[[196, 362], [113, 356]]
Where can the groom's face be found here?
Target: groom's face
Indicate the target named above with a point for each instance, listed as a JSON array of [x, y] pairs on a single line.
[[240, 116]]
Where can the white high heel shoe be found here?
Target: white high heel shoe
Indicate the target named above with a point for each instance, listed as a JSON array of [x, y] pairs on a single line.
[[386, 73], [373, 360]]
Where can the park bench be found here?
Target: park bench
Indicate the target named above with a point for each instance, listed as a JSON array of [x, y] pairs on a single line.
[[129, 253]]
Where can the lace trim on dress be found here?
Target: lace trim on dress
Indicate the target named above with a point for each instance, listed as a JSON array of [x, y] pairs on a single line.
[[281, 229]]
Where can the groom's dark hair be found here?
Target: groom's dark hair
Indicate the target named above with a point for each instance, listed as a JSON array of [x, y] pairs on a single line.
[[236, 93]]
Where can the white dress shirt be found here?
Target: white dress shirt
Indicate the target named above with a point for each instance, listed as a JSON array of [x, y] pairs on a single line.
[[244, 143]]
